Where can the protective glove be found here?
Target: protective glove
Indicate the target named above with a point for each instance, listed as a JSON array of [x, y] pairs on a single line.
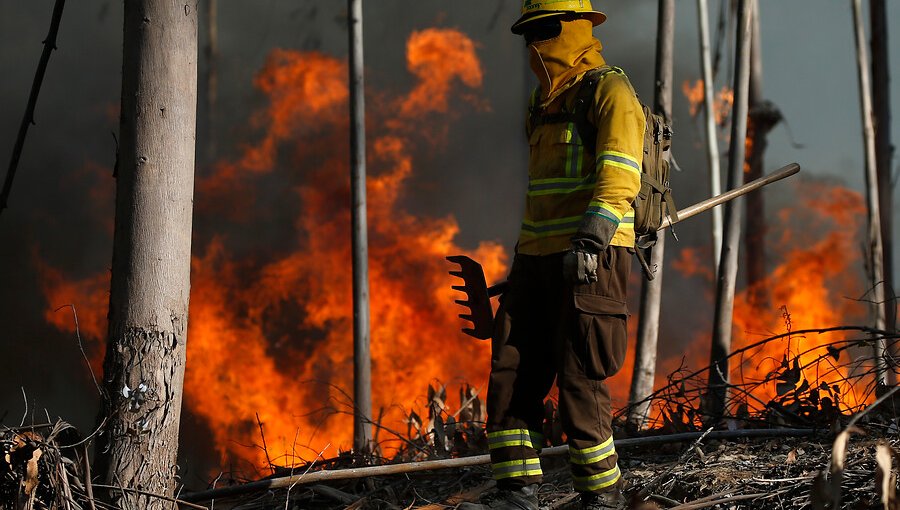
[[580, 265]]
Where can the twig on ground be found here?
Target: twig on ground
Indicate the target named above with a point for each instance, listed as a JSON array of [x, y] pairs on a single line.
[[706, 504], [28, 427], [152, 495], [25, 414], [287, 497], [311, 464], [85, 440], [645, 491], [88, 484]]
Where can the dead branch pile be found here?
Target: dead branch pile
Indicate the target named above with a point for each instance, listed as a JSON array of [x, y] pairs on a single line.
[[780, 474], [811, 386], [42, 467]]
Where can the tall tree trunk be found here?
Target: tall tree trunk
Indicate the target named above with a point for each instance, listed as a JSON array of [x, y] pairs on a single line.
[[763, 117], [651, 294], [362, 357], [728, 266], [874, 247], [148, 308], [709, 117], [884, 151]]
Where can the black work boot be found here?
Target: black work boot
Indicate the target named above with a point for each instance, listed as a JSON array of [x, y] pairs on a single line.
[[524, 498], [605, 501]]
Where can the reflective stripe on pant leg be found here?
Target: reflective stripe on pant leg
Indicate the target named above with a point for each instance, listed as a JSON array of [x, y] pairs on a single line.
[[594, 454], [517, 468], [513, 437], [597, 483], [514, 455]]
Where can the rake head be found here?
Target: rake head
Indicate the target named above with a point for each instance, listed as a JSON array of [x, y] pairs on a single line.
[[478, 299]]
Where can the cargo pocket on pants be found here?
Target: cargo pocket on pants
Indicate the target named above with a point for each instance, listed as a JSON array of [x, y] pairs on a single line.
[[601, 334]]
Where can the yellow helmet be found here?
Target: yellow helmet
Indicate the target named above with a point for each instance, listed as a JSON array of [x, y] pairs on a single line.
[[537, 9]]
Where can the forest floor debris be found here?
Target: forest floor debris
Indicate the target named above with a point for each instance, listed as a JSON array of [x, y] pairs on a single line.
[[776, 473]]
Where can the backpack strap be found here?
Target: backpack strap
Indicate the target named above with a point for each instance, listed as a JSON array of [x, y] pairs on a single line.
[[584, 100], [666, 193]]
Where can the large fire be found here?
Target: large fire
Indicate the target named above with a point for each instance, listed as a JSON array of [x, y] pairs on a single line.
[[273, 338], [270, 337]]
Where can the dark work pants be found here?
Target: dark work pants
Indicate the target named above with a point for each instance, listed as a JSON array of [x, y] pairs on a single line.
[[547, 329]]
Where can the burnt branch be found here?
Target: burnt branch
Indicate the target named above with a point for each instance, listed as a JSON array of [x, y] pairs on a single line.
[[28, 118]]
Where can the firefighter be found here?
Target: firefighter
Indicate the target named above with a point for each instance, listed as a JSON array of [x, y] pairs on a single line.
[[564, 315]]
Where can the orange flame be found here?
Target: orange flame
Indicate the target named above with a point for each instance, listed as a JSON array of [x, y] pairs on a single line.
[[89, 297], [818, 244], [436, 60], [809, 285], [689, 264], [722, 103]]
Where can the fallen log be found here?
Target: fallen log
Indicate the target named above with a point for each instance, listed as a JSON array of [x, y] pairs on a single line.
[[430, 465]]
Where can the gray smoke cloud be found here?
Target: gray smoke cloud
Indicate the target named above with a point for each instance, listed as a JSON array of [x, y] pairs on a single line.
[[61, 208]]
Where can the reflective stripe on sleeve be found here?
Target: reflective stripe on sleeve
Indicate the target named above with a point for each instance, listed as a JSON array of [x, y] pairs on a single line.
[[619, 160], [605, 211], [517, 468], [592, 454], [598, 481], [505, 438]]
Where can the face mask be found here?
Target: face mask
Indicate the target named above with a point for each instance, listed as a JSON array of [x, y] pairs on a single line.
[[558, 60]]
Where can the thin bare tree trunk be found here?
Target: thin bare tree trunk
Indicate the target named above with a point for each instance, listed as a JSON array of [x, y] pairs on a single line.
[[884, 151], [362, 362], [148, 309], [758, 128], [727, 275], [651, 295], [709, 115], [875, 249]]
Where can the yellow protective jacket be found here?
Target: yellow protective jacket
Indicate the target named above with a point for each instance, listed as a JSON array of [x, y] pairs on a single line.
[[571, 189]]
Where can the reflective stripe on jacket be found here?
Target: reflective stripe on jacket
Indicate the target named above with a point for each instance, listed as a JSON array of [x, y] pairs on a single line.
[[566, 181]]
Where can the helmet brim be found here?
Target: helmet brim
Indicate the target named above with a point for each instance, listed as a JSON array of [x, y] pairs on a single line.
[[520, 26]]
